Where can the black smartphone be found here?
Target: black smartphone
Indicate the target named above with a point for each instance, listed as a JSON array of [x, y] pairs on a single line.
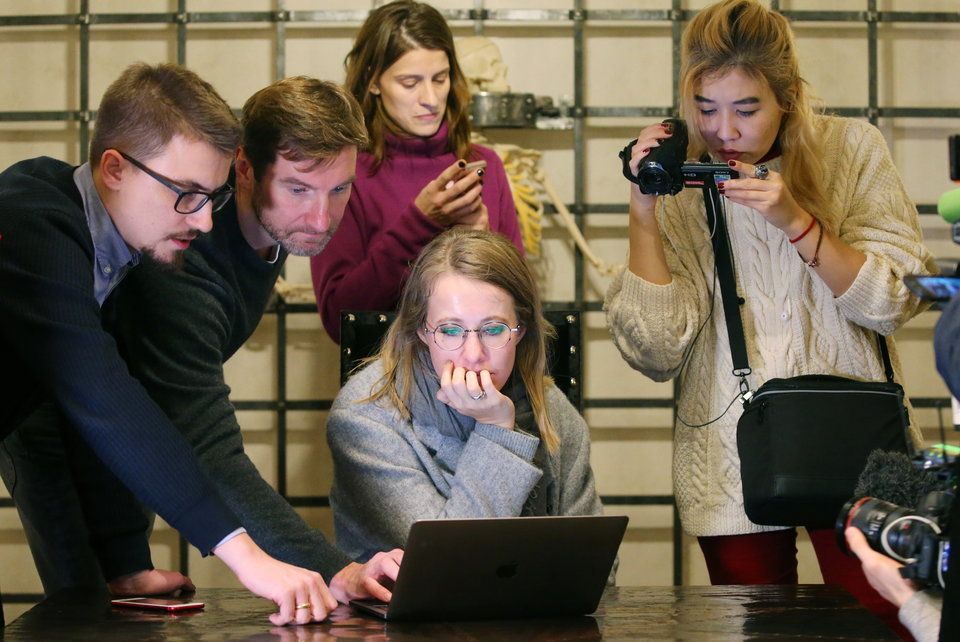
[[933, 288], [171, 604], [954, 142]]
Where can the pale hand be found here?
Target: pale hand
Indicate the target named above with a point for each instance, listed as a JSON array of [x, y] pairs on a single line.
[[770, 196], [286, 585], [650, 137], [460, 387], [359, 581], [452, 195], [882, 573], [152, 582], [478, 220]]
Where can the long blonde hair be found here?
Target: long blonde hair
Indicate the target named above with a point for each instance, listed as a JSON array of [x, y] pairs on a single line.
[[744, 35], [483, 256]]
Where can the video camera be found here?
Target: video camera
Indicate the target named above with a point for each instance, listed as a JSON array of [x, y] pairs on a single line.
[[665, 169], [917, 537]]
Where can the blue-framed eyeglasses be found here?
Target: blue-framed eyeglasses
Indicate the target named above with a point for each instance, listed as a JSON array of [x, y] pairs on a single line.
[[493, 335], [188, 201]]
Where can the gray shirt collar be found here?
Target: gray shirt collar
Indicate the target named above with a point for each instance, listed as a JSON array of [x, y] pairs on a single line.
[[112, 257]]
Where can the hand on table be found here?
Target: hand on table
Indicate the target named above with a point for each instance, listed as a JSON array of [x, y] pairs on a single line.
[[358, 581], [150, 582], [301, 595]]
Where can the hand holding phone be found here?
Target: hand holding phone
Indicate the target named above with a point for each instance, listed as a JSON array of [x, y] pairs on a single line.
[[475, 166], [169, 604], [454, 194]]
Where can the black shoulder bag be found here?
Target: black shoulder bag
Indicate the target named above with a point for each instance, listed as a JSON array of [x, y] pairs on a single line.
[[803, 441]]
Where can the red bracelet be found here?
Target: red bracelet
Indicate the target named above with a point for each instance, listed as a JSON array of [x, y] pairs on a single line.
[[813, 221]]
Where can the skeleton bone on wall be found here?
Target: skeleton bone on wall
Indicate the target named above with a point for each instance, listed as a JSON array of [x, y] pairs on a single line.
[[483, 66]]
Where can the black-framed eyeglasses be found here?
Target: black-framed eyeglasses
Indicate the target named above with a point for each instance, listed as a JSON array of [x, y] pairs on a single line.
[[493, 335], [188, 201]]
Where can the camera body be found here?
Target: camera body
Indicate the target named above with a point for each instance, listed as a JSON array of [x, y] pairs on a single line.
[[665, 170], [916, 538]]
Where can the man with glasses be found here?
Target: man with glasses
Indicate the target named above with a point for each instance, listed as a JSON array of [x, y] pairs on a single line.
[[68, 236], [293, 173]]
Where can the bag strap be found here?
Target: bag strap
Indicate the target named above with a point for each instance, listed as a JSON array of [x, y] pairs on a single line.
[[732, 301], [728, 284]]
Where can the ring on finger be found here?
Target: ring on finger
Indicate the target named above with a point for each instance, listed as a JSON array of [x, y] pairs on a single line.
[[304, 605], [479, 396], [761, 172]]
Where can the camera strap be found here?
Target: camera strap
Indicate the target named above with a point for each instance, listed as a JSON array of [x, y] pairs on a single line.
[[728, 286]]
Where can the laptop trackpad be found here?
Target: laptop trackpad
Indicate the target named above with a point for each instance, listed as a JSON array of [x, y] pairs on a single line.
[[373, 607]]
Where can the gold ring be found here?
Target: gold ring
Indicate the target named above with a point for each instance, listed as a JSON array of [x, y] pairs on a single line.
[[305, 605]]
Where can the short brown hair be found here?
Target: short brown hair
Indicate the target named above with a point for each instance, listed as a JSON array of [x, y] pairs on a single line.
[[300, 118], [147, 106], [389, 32]]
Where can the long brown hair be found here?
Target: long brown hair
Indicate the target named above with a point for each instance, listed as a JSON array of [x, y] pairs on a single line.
[[487, 257], [389, 32], [746, 36]]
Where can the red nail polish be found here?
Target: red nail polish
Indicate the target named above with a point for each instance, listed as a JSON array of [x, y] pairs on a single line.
[[732, 163]]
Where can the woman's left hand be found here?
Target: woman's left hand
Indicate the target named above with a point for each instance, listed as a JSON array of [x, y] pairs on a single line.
[[474, 395], [770, 196], [478, 220]]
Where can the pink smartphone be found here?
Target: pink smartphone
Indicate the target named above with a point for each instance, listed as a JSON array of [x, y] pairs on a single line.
[[475, 165], [158, 603]]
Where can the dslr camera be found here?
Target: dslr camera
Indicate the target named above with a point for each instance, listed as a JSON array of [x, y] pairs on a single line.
[[665, 169], [917, 538]]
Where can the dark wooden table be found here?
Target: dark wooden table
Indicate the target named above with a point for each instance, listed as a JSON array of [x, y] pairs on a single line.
[[626, 613]]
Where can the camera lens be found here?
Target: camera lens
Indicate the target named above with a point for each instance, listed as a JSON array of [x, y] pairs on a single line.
[[654, 179], [869, 516]]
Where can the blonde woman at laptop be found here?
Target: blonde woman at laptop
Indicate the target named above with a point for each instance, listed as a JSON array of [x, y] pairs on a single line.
[[456, 416]]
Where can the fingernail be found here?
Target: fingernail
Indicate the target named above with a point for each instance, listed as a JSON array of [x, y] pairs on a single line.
[[732, 163], [480, 172], [461, 164], [644, 151], [668, 127]]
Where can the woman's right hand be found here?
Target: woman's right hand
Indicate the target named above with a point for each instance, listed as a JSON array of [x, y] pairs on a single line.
[[451, 196], [650, 137], [474, 394], [290, 587]]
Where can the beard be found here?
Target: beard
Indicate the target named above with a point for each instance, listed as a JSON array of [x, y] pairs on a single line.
[[171, 263], [284, 237]]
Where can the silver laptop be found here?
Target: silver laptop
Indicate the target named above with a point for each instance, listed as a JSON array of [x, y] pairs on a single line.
[[465, 569]]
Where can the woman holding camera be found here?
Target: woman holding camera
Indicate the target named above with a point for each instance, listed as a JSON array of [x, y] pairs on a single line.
[[821, 231], [420, 175]]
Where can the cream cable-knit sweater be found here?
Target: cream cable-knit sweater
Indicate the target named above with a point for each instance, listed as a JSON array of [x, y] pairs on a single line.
[[792, 322]]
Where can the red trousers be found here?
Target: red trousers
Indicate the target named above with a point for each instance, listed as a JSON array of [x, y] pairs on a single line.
[[771, 558]]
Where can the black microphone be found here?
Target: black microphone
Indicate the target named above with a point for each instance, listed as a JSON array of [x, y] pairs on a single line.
[[892, 477]]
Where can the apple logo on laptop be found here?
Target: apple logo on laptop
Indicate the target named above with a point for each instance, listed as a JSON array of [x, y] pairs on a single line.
[[508, 570]]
